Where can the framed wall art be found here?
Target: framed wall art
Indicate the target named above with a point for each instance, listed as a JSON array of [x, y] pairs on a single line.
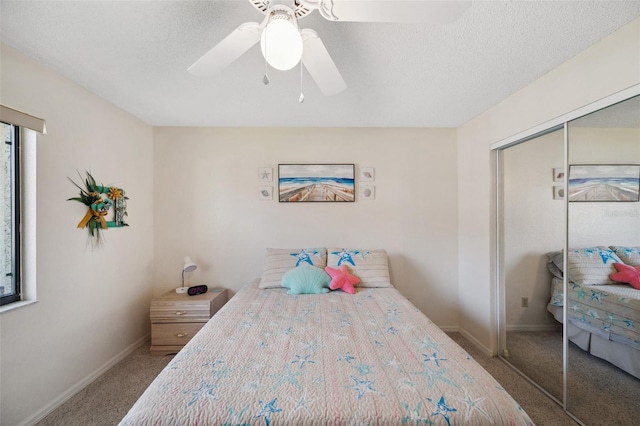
[[316, 183], [604, 182]]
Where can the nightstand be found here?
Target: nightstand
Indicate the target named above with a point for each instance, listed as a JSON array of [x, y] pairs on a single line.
[[177, 317]]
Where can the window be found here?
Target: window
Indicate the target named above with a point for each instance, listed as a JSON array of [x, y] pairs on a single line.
[[10, 215]]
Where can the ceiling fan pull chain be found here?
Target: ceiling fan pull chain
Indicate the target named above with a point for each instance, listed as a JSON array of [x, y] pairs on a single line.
[[301, 98], [265, 79]]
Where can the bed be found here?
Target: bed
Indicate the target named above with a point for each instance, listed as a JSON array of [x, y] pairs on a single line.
[[268, 357], [603, 315]]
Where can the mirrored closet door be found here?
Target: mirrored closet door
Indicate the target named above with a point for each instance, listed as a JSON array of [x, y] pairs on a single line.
[[603, 326], [568, 218], [533, 224]]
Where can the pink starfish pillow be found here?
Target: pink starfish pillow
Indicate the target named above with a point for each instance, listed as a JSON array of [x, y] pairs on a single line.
[[342, 279], [626, 274]]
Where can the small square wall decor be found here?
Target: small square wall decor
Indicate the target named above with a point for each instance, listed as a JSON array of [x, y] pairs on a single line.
[[265, 193], [367, 174], [558, 174], [558, 192], [367, 192], [265, 174]]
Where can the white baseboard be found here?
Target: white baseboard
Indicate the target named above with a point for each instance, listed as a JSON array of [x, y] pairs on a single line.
[[534, 327], [47, 409], [476, 342]]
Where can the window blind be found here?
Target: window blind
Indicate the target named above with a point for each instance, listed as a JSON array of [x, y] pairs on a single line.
[[20, 119]]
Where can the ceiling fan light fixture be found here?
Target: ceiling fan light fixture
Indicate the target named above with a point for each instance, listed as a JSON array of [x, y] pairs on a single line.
[[281, 42]]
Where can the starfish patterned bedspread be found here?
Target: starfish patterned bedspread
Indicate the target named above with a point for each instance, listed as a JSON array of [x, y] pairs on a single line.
[[366, 359], [611, 311]]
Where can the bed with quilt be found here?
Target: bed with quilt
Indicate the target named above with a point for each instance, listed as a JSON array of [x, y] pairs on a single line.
[[296, 353], [603, 307]]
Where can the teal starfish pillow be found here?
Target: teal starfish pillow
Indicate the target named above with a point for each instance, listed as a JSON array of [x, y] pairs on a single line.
[[306, 279]]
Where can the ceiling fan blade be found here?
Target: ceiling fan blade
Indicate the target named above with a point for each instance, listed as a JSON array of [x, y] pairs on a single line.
[[317, 61], [228, 50], [423, 11]]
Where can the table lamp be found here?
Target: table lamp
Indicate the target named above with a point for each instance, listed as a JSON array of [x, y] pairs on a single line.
[[189, 266]]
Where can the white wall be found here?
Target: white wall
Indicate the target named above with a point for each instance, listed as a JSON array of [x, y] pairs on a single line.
[[207, 205], [92, 304], [607, 67]]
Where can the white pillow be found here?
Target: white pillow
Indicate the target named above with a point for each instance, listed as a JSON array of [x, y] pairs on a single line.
[[591, 266], [628, 255], [371, 266], [278, 261]]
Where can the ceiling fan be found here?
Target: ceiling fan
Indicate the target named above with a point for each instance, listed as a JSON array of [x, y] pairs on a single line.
[[284, 44]]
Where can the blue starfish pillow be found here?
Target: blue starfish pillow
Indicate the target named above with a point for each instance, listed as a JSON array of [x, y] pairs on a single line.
[[306, 279]]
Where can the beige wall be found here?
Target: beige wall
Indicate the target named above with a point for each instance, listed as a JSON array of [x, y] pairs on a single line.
[[207, 205], [92, 304], [605, 68]]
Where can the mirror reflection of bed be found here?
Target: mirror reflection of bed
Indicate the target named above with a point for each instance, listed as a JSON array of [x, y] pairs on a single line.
[[603, 330]]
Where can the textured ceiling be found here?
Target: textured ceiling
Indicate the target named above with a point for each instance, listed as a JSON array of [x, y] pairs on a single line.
[[135, 55]]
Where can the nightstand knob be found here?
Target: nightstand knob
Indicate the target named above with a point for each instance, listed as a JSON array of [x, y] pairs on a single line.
[[181, 312], [181, 335]]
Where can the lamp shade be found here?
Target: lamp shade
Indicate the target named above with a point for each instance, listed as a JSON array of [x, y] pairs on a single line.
[[281, 44], [189, 265]]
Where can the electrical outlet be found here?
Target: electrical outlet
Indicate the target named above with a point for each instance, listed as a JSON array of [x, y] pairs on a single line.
[[524, 302]]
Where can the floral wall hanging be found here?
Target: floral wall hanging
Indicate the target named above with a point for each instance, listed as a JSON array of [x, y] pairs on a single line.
[[99, 200]]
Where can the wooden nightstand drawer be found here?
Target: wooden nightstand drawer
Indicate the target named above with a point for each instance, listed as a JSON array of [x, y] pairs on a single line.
[[174, 334], [177, 317], [180, 312]]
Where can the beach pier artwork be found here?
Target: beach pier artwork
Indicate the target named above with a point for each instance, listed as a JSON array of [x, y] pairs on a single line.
[[604, 182], [316, 183]]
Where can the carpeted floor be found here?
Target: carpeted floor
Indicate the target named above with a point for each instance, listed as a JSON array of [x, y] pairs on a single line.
[[107, 399], [540, 408], [599, 393], [539, 356]]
